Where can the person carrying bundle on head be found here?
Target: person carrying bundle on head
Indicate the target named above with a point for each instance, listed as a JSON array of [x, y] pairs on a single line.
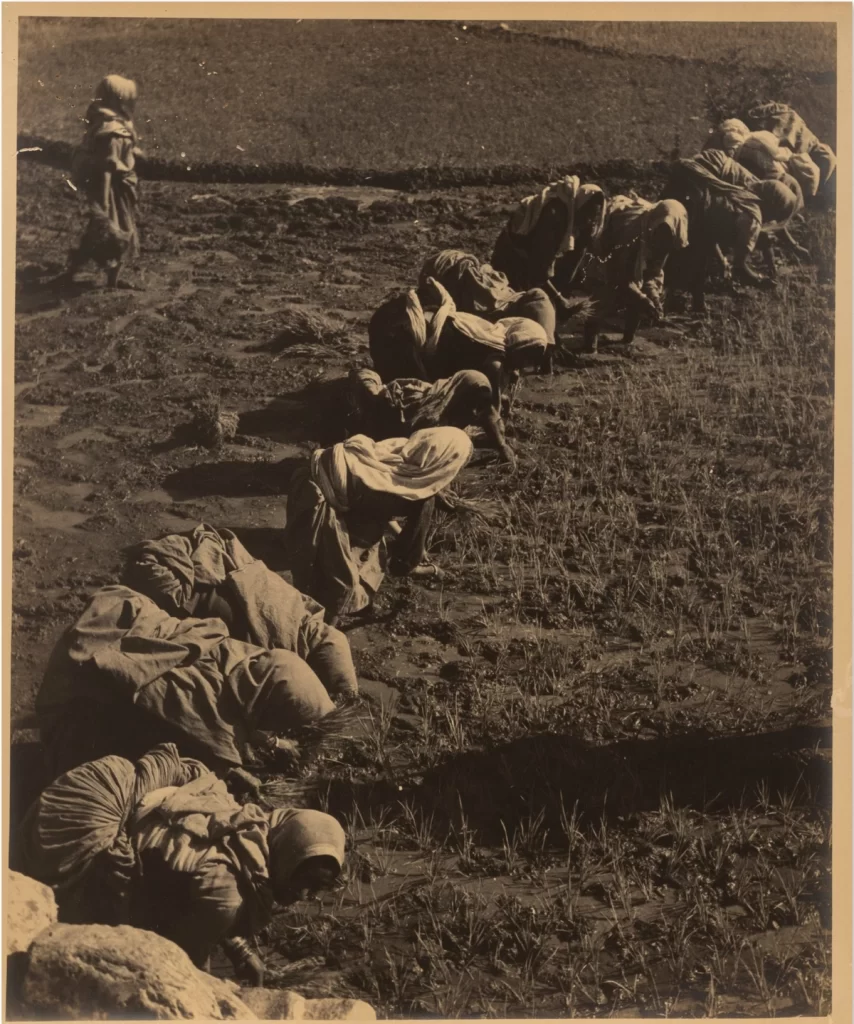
[[103, 170], [161, 845], [341, 532]]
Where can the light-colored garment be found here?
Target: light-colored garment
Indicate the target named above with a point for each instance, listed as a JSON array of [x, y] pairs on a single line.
[[728, 136], [475, 287], [621, 253], [570, 192], [298, 835], [792, 131], [806, 172], [178, 570], [426, 334], [414, 468], [95, 826], [722, 176], [129, 658], [417, 404], [778, 203], [479, 288], [521, 334], [785, 123], [328, 561], [104, 171], [175, 569], [762, 155], [84, 815]]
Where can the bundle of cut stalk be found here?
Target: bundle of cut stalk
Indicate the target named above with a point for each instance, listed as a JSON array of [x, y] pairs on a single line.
[[488, 511], [212, 425], [299, 327]]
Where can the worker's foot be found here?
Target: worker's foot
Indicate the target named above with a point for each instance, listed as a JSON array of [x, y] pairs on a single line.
[[507, 458], [745, 276], [427, 569]]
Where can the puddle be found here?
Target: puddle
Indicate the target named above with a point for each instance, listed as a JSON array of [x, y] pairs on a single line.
[[175, 524], [32, 416], [387, 695], [75, 492], [118, 325], [47, 519], [365, 197], [86, 434], [44, 314], [156, 496], [236, 348], [83, 459]]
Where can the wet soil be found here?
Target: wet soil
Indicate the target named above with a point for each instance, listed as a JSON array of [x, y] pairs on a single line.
[[105, 380]]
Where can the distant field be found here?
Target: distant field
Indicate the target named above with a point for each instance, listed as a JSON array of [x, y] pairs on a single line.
[[385, 95], [804, 46]]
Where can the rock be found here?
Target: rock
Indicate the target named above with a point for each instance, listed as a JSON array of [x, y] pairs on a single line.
[[30, 909], [98, 972], [283, 1004], [338, 1009], [274, 1003]]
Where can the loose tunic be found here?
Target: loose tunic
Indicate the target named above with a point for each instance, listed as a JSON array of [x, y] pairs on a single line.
[[104, 170]]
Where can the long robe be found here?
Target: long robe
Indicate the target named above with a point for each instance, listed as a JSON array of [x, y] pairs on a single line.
[[103, 168], [209, 572], [127, 676], [162, 845]]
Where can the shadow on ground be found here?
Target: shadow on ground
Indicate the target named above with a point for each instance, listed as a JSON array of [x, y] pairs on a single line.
[[547, 772], [232, 479], [317, 412]]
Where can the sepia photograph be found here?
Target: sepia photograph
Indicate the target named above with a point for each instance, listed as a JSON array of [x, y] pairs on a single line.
[[422, 497]]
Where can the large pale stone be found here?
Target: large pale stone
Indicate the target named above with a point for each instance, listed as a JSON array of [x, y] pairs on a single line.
[[283, 1004], [274, 1003], [30, 908], [338, 1009], [98, 972]]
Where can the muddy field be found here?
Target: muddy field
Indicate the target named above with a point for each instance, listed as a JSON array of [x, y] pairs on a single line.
[[592, 774]]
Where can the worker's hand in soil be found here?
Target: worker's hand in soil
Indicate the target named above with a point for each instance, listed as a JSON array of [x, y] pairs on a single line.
[[243, 786], [286, 755]]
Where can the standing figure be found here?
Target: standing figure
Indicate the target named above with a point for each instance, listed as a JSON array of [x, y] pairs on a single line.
[[103, 171], [341, 533]]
